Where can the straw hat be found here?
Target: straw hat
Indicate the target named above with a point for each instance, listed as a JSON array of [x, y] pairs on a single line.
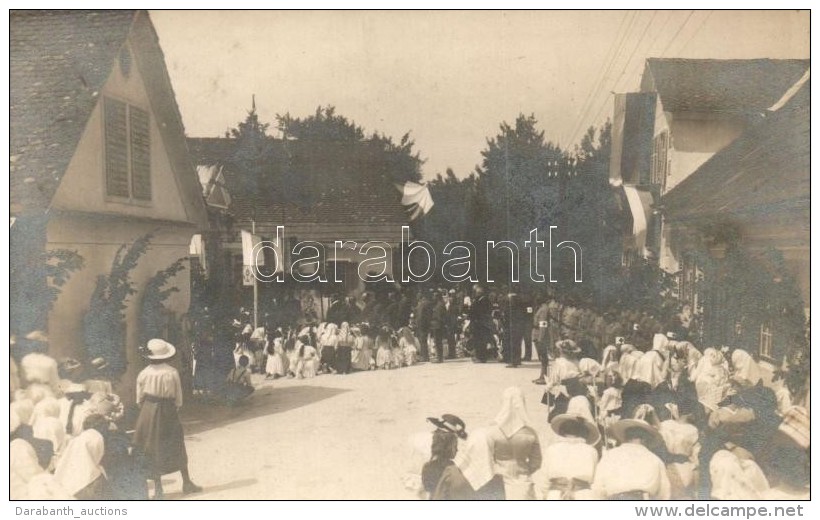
[[618, 430], [158, 349], [37, 335], [99, 363], [590, 432]]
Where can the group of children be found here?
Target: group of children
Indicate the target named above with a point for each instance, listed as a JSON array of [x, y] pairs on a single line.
[[327, 348]]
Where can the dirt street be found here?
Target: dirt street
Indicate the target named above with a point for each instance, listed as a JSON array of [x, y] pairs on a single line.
[[339, 437]]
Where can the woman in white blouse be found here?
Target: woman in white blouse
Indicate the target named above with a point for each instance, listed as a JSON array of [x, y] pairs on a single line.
[[569, 462], [158, 432]]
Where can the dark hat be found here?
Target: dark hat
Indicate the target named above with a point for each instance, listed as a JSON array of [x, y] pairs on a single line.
[[450, 423], [589, 431], [619, 429]]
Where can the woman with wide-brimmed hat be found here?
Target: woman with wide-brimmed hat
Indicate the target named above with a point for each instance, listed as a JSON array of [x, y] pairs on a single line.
[[646, 478], [158, 432], [570, 461]]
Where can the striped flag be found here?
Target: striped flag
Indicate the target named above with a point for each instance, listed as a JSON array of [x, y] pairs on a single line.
[[249, 256]]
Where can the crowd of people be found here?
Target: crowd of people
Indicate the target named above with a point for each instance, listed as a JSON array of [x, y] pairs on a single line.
[[68, 436], [687, 424], [394, 329], [620, 389]]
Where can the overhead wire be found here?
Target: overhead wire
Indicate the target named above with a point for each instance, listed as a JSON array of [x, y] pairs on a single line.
[[606, 99], [696, 31], [616, 51]]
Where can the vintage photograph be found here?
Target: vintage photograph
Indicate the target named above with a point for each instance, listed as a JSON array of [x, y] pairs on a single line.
[[409, 255]]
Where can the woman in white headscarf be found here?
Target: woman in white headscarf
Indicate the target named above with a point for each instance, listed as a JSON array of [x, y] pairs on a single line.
[[78, 470], [735, 478], [653, 367], [745, 370], [46, 424], [515, 447], [626, 364], [711, 378]]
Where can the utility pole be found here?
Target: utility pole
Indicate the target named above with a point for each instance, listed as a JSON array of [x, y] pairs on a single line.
[[255, 283]]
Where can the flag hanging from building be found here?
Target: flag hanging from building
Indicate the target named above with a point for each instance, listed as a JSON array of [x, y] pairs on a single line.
[[197, 249], [252, 255], [416, 199]]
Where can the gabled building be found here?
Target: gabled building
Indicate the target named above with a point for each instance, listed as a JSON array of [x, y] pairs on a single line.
[[741, 222], [686, 111], [98, 158]]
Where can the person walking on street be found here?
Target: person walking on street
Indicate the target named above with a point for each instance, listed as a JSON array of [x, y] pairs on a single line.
[[158, 432]]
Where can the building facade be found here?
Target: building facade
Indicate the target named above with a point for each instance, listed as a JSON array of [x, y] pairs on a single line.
[[99, 159]]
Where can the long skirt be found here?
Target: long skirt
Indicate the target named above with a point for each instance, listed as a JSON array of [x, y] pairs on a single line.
[[328, 357], [362, 359], [383, 358], [277, 364], [343, 359], [159, 437]]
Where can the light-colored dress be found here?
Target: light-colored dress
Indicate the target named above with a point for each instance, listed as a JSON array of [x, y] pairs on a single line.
[[736, 479], [363, 353], [80, 465], [308, 363], [410, 348], [647, 473], [568, 468], [383, 357], [277, 363]]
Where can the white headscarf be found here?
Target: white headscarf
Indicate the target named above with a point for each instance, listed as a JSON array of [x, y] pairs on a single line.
[[609, 355], [475, 459], [46, 423], [40, 368], [650, 368], [746, 370], [711, 378], [23, 467], [627, 364], [579, 406], [24, 409], [79, 465], [736, 479], [513, 415], [660, 343], [589, 366]]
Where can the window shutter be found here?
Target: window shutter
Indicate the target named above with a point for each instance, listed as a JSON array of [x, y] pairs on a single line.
[[140, 154], [116, 148]]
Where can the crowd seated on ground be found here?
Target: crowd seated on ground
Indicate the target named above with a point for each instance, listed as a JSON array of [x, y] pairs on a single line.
[[660, 422], [619, 390]]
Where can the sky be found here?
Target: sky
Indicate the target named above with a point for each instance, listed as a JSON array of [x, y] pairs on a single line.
[[450, 78]]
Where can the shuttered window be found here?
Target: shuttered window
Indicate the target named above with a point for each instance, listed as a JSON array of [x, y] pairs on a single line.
[[127, 151], [116, 149], [660, 160]]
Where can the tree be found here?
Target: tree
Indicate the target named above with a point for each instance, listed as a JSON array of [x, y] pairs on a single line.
[[104, 322], [518, 189], [394, 162], [36, 275], [153, 313], [252, 154]]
